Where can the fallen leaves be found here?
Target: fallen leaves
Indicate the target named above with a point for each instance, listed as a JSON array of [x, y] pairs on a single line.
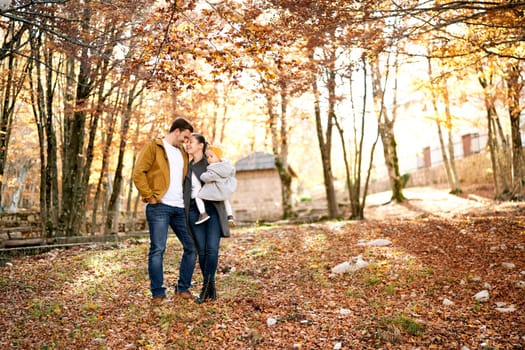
[[275, 290]]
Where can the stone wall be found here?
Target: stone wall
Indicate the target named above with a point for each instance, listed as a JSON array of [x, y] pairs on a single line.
[[258, 196], [20, 219], [21, 225], [474, 169]]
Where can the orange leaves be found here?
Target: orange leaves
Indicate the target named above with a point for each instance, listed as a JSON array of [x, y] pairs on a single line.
[[281, 272]]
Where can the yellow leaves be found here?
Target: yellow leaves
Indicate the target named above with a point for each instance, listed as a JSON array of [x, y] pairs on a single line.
[[267, 75], [185, 27]]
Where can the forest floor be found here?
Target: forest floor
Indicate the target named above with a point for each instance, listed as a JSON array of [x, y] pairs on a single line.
[[277, 289]]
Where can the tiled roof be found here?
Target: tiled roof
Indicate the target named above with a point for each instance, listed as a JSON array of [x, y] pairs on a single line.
[[256, 161]]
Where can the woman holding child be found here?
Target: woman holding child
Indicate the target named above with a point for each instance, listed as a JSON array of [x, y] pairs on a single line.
[[207, 233]]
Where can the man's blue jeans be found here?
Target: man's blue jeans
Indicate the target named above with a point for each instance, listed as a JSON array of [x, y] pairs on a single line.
[[207, 239], [160, 217]]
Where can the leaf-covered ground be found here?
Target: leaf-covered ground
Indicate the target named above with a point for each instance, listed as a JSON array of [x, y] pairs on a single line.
[[97, 297]]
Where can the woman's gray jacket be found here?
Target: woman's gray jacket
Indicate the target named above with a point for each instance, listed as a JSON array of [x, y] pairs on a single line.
[[199, 168]]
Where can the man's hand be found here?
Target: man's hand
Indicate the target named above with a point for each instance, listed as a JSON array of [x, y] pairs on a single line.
[[153, 200]]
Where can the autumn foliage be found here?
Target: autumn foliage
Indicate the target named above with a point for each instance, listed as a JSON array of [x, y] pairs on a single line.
[[277, 290]]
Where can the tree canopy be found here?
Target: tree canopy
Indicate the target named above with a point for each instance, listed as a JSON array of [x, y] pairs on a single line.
[[97, 79]]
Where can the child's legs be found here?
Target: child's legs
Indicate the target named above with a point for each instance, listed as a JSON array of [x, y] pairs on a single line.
[[195, 188], [200, 205], [228, 206]]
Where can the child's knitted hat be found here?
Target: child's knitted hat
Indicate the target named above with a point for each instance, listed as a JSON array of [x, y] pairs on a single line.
[[216, 150]]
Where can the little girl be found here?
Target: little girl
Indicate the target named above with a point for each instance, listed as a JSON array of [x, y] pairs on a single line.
[[219, 184]]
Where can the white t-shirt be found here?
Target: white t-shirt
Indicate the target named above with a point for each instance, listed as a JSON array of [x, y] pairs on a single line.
[[173, 196]]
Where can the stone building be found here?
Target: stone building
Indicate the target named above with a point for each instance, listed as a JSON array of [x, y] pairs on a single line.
[[258, 194]]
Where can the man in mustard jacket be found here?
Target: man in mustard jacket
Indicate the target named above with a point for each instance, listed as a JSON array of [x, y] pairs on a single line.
[[158, 175]]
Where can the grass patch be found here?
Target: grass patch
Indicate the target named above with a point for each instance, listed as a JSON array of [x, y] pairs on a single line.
[[166, 318], [409, 325], [354, 293], [4, 281], [402, 322], [372, 280], [390, 289], [239, 284], [428, 271], [257, 252], [41, 309]]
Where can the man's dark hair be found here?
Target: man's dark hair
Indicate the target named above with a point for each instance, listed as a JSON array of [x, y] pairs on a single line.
[[181, 124]]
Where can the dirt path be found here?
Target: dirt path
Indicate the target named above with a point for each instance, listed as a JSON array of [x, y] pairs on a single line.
[[436, 202]]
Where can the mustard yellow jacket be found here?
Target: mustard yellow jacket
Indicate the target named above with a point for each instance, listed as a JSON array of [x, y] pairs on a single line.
[[151, 174]]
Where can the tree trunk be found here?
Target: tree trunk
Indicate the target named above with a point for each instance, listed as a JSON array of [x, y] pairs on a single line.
[[73, 156], [325, 148], [449, 161], [277, 125], [224, 112], [453, 180], [93, 127], [42, 104], [11, 84], [354, 191], [112, 217], [6, 117], [503, 154], [102, 180], [444, 155], [386, 131], [493, 148], [515, 85], [286, 188], [285, 173], [498, 168], [130, 222]]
